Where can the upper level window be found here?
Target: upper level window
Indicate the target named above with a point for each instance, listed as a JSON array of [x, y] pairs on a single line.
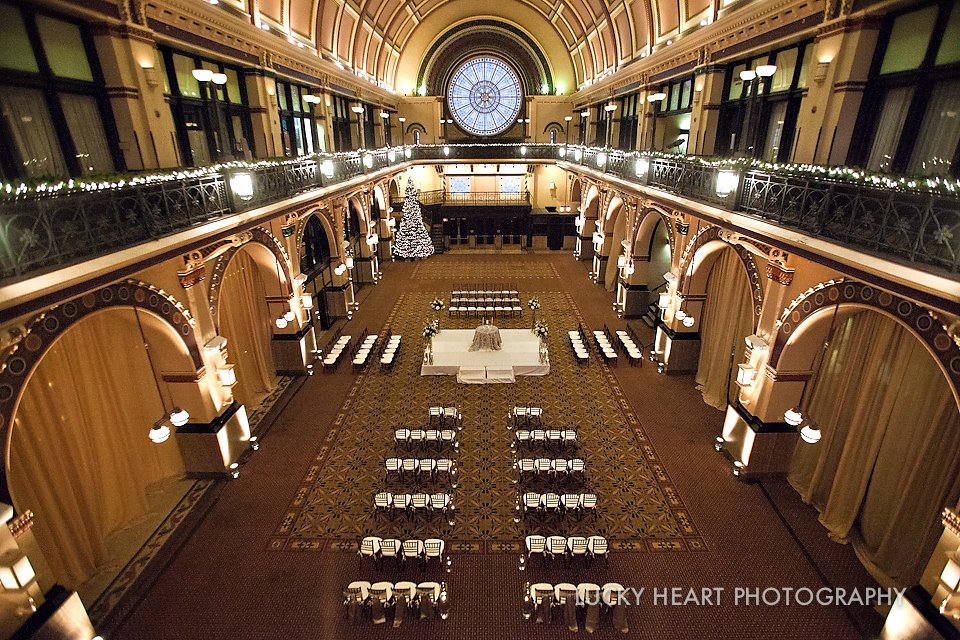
[[672, 116], [53, 112], [759, 113], [297, 130], [212, 117], [911, 107], [484, 96]]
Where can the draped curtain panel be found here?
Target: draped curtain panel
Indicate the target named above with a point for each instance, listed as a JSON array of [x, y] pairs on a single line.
[[727, 320], [80, 458], [245, 321], [889, 457]]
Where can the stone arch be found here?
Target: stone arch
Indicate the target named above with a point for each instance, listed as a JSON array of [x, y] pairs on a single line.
[[44, 329], [317, 212], [700, 252], [576, 189], [591, 202], [379, 202], [642, 241], [809, 315], [356, 212], [394, 188], [267, 251], [614, 227]]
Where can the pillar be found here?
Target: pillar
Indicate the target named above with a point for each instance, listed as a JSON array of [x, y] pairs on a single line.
[[705, 115], [842, 55], [133, 74], [264, 112]]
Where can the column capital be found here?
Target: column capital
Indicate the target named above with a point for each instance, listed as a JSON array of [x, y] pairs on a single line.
[[779, 274]]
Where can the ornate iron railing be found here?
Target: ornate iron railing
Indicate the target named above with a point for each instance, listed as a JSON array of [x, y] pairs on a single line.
[[43, 230], [913, 224], [486, 198]]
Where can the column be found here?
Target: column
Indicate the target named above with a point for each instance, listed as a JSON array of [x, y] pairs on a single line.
[[755, 436], [842, 55], [264, 112], [133, 74], [705, 115]]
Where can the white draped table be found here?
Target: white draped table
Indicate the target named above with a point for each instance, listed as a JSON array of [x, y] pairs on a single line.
[[486, 337]]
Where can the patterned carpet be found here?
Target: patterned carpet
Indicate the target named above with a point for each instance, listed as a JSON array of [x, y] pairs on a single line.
[[639, 508], [499, 270]]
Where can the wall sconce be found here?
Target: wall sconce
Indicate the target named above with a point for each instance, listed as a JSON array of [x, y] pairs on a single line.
[[820, 73], [553, 186], [664, 300], [227, 375], [16, 572], [311, 99], [340, 269], [746, 375], [150, 74], [307, 301], [727, 182], [202, 75], [373, 239], [348, 261], [642, 166], [242, 185]]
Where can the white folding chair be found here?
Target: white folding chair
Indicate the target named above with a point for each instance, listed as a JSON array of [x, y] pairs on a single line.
[[598, 547]]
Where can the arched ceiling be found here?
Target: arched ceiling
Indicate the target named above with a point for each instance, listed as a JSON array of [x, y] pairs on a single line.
[[388, 39]]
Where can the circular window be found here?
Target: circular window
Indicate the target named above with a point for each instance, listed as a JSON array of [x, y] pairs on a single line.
[[484, 96]]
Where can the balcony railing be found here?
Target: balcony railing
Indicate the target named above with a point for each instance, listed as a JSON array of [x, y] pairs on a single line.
[[914, 220], [484, 198], [53, 225]]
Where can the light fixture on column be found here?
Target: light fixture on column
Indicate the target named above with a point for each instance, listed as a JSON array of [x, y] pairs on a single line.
[[746, 375], [340, 269], [348, 259], [727, 182], [610, 106], [227, 375], [766, 70], [306, 300], [326, 168], [242, 185], [160, 432], [642, 167], [219, 79], [16, 572]]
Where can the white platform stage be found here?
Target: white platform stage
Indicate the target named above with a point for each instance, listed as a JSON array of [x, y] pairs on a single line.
[[519, 356]]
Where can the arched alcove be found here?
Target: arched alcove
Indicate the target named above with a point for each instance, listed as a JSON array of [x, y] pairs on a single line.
[[888, 459], [614, 225], [78, 453]]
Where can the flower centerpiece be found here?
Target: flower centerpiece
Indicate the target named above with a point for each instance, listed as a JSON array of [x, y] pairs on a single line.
[[541, 330], [429, 331], [437, 305], [533, 304]]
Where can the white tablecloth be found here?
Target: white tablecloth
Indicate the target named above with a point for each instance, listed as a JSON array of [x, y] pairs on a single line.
[[486, 337]]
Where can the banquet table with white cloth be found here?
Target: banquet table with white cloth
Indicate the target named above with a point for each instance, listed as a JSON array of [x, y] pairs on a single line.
[[519, 355]]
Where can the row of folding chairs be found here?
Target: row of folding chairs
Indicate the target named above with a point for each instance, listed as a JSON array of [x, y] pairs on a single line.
[[634, 354], [575, 604], [563, 548], [485, 292], [526, 416], [557, 504], [438, 438], [605, 347], [366, 347], [580, 352], [391, 350], [332, 359], [449, 417], [421, 469], [502, 309], [412, 504], [378, 549], [553, 439], [379, 601], [554, 469]]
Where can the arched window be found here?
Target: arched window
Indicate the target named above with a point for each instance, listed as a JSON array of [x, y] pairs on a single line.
[[484, 96]]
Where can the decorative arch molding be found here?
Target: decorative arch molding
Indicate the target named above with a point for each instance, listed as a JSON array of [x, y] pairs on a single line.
[[416, 126], [920, 321], [256, 235], [327, 228], [645, 228], [41, 331], [576, 188], [716, 234], [553, 125]]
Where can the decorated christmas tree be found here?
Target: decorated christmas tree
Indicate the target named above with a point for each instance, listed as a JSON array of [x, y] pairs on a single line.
[[411, 239]]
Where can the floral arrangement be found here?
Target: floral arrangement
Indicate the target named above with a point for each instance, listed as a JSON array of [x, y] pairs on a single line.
[[437, 304], [541, 330], [533, 303], [429, 331]]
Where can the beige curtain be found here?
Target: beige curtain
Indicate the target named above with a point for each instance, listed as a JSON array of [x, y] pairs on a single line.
[[889, 456], [80, 458], [245, 321], [727, 320]]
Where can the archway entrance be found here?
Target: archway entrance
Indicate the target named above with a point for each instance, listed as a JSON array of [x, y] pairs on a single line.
[[79, 455]]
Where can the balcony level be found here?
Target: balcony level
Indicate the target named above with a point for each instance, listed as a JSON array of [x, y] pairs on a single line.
[[896, 229]]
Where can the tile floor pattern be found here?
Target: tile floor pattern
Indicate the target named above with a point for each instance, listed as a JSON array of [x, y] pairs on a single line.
[[639, 507]]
